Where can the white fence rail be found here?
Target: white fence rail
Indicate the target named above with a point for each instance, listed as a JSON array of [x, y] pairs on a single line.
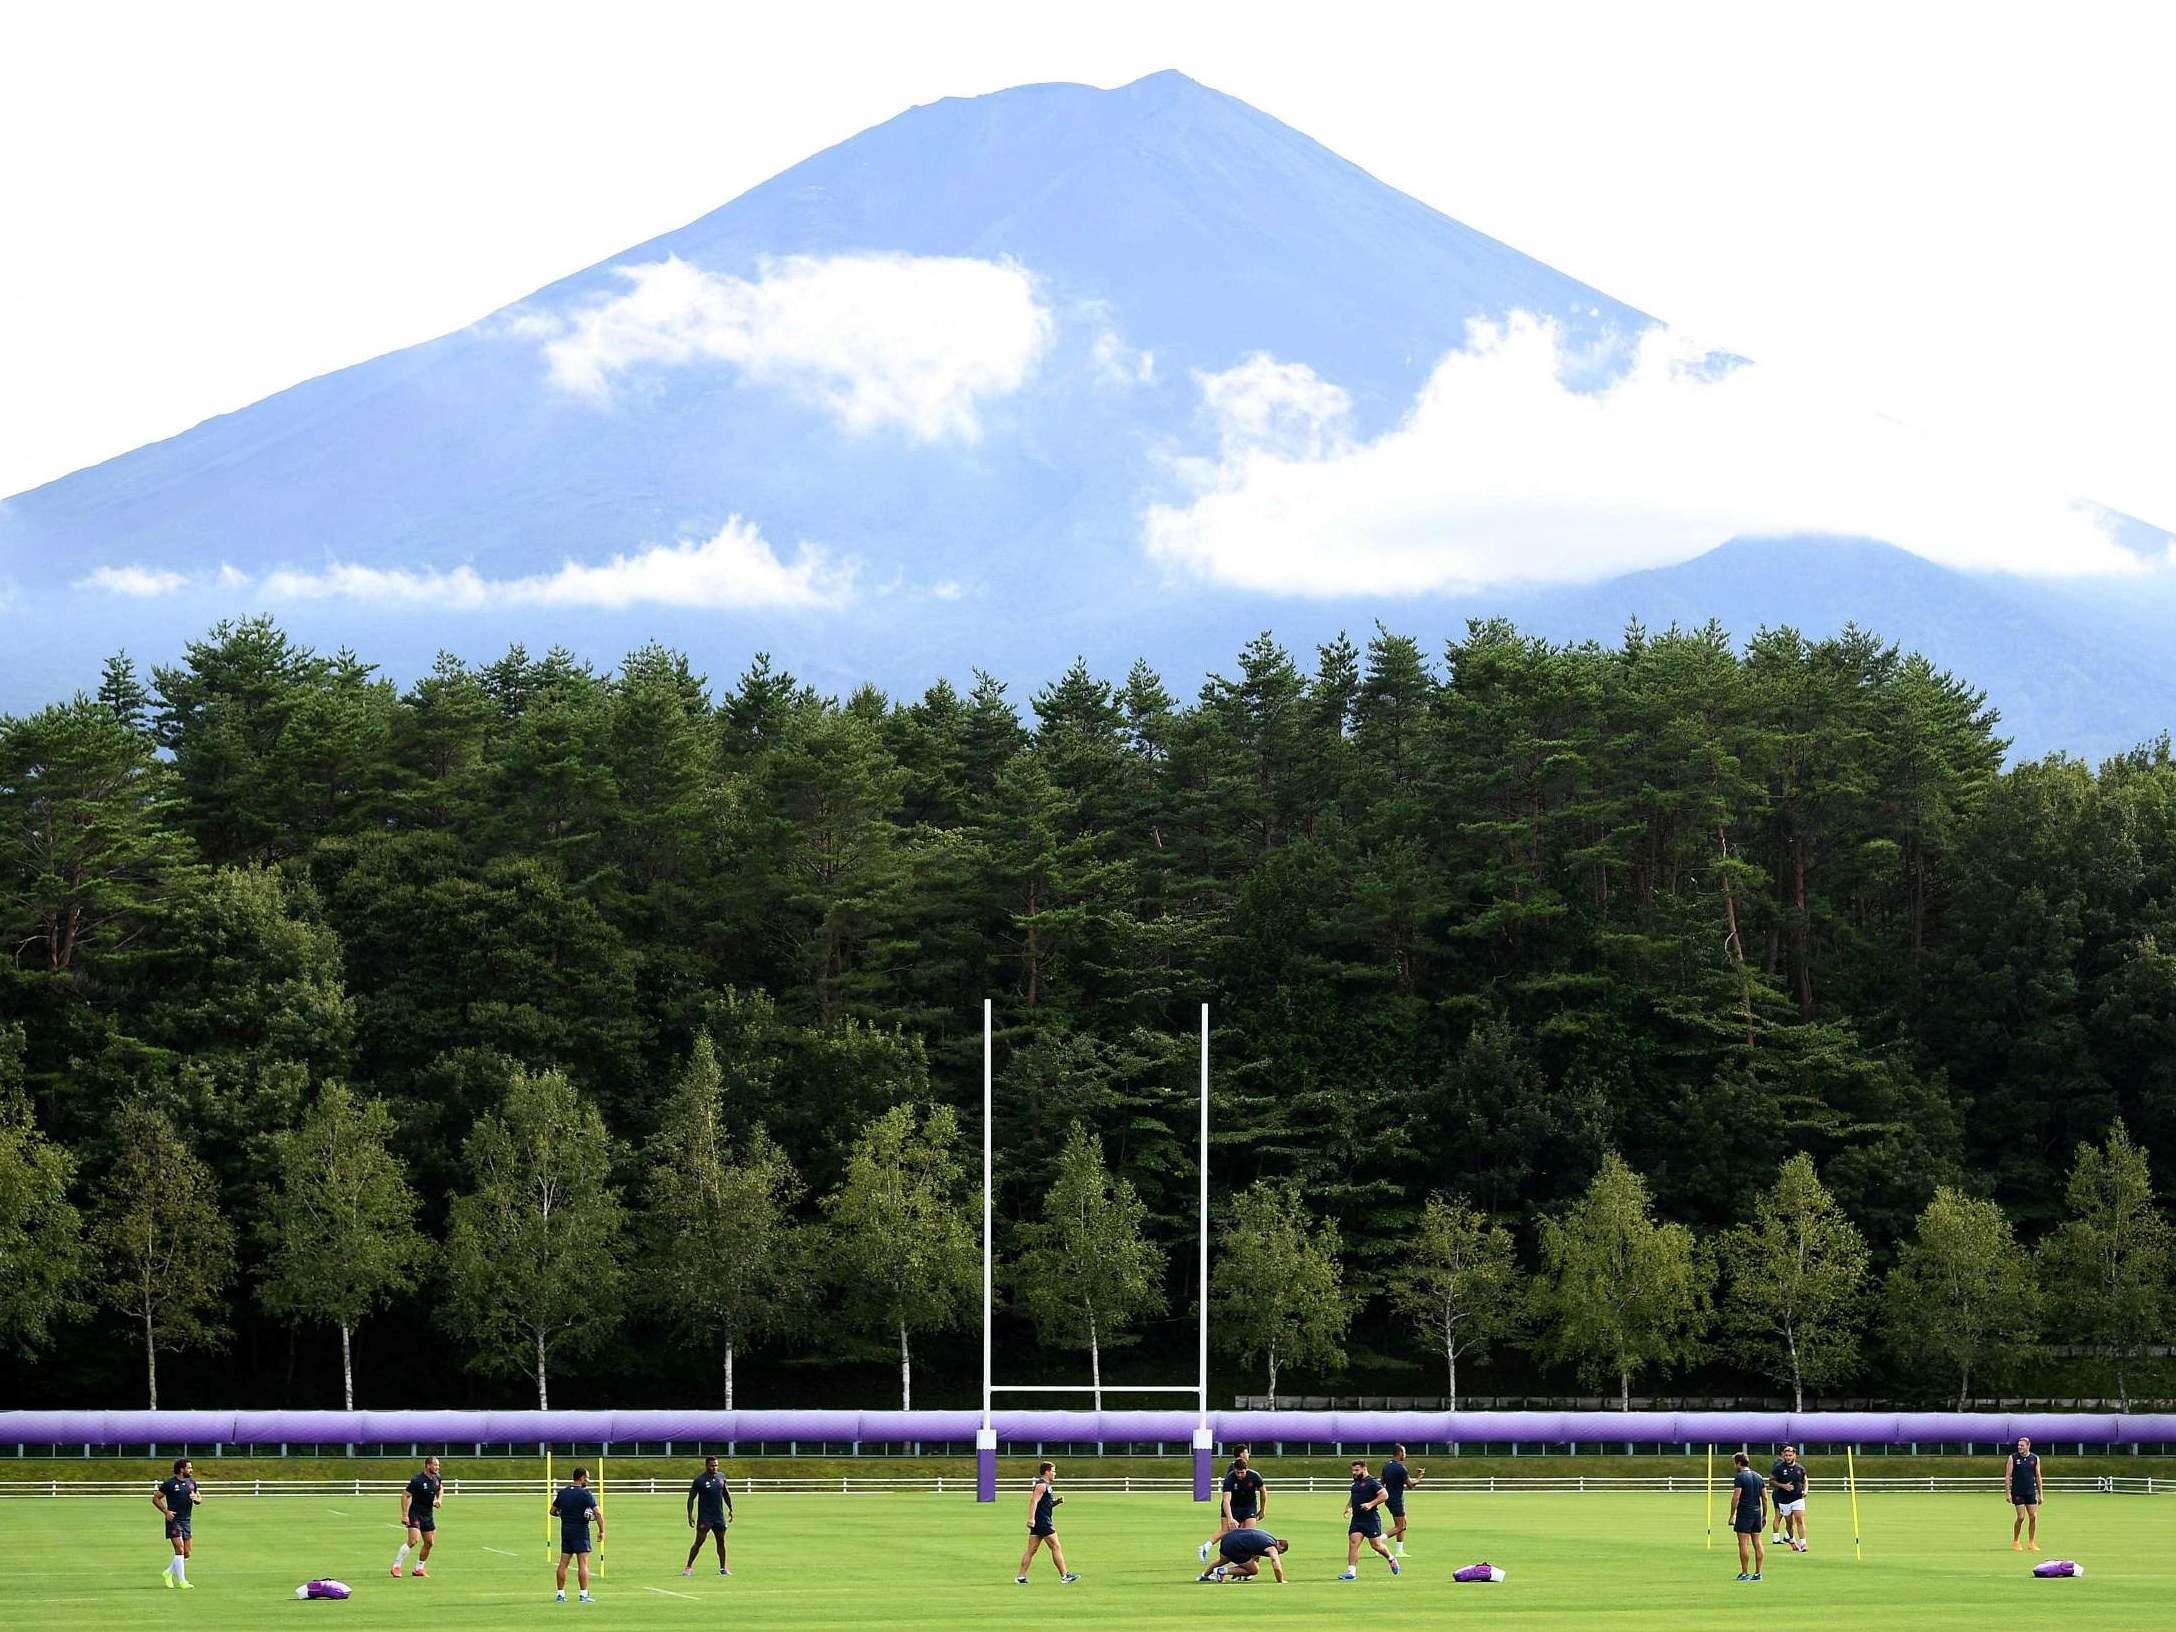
[[856, 1485]]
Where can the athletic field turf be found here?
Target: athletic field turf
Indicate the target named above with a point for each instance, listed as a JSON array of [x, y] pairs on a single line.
[[1632, 1560]]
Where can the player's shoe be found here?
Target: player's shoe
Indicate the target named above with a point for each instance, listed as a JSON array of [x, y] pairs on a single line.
[[1203, 1550], [560, 1598], [1775, 1541], [2030, 1547], [584, 1598], [168, 1577], [1067, 1580], [1019, 1580], [396, 1572], [1742, 1576], [1393, 1566], [186, 1584], [2017, 1546], [1350, 1575], [419, 1573], [722, 1570], [1755, 1576]]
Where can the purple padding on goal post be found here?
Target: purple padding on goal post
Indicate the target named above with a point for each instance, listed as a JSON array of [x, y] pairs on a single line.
[[1203, 1473], [986, 1474]]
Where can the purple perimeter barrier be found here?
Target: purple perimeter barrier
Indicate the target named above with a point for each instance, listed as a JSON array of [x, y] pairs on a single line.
[[1077, 1427]]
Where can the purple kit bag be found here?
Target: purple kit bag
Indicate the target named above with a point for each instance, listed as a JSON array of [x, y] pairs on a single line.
[[1478, 1572], [2058, 1569], [323, 1589]]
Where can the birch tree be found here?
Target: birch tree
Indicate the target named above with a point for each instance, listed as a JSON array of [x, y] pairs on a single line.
[[719, 1222], [2106, 1268], [534, 1248], [340, 1229], [1620, 1293], [165, 1249], [904, 1250], [1090, 1272], [1798, 1275], [1962, 1295], [1459, 1283], [1277, 1292]]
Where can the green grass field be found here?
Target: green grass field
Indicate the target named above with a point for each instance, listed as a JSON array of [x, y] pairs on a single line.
[[1631, 1560]]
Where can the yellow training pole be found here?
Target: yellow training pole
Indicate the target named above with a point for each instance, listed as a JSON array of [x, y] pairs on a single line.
[[1851, 1472], [1708, 1486], [548, 1553]]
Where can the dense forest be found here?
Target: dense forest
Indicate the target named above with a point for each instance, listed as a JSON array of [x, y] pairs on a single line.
[[1590, 1003]]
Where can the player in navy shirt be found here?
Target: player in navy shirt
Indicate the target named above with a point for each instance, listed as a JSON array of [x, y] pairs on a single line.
[[1240, 1553], [1365, 1503], [575, 1506], [1787, 1478], [419, 1500], [1397, 1479], [1245, 1499], [2021, 1481], [176, 1499], [1748, 1516], [710, 1510], [1043, 1502]]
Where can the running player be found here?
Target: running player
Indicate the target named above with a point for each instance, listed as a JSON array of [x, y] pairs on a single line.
[[1787, 1478], [1246, 1499], [2021, 1481], [1396, 1479], [575, 1506], [1748, 1512], [419, 1500], [1241, 1552], [1043, 1502], [176, 1499], [710, 1510], [1367, 1499]]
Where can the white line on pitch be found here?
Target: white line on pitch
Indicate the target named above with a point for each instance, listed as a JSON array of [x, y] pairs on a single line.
[[502, 1552], [661, 1592], [343, 1512]]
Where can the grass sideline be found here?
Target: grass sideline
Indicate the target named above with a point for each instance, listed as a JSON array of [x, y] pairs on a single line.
[[211, 1470], [1622, 1560]]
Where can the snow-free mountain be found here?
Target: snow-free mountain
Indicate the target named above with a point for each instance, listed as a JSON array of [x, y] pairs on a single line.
[[1058, 371]]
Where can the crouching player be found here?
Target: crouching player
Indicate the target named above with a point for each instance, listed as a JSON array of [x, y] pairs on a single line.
[[1242, 1551]]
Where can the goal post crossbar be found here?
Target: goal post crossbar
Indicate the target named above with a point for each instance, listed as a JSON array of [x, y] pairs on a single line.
[[986, 1436], [1091, 1388]]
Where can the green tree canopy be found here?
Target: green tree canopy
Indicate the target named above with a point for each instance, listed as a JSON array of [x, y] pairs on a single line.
[[1459, 1283]]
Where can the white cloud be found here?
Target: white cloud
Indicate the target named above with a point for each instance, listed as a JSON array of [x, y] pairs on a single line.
[[734, 569], [1117, 363], [143, 583], [1502, 473], [917, 342]]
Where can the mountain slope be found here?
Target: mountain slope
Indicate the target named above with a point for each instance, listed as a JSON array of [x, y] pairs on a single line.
[[1160, 231]]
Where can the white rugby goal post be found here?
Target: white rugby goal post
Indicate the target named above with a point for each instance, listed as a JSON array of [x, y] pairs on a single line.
[[986, 1435]]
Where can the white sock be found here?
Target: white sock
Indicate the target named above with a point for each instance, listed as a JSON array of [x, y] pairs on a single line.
[[173, 1566], [181, 1568], [401, 1557]]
